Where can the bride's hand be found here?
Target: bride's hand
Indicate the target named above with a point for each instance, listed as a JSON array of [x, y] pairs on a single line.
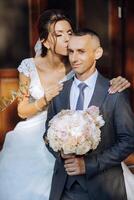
[[53, 91], [118, 84]]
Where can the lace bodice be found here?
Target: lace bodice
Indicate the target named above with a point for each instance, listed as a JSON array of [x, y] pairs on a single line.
[[28, 68]]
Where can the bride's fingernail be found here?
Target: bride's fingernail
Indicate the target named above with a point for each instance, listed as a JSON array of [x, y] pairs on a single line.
[[111, 91]]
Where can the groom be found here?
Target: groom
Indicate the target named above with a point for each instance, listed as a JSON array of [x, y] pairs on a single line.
[[98, 174]]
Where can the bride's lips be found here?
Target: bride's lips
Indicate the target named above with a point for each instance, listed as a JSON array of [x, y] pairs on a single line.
[[65, 46]]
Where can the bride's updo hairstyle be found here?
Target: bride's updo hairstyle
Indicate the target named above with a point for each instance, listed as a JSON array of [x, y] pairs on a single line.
[[46, 19]]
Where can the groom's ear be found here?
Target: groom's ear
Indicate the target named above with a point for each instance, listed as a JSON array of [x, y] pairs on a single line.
[[98, 53]]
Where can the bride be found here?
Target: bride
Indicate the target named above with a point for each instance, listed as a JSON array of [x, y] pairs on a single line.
[[26, 166]]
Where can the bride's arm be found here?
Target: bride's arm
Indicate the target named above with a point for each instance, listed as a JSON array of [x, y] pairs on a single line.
[[25, 107], [118, 84]]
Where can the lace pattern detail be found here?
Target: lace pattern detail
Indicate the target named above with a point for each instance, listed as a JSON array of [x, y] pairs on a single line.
[[24, 67]]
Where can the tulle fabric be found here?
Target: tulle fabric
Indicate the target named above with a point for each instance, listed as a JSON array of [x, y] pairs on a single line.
[[26, 166], [129, 181]]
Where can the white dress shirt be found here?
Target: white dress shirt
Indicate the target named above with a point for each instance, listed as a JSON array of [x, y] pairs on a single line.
[[88, 91]]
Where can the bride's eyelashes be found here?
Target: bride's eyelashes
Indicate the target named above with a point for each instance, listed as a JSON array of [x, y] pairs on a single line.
[[59, 35]]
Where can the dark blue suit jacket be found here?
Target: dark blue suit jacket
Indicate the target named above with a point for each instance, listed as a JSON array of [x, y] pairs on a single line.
[[104, 177]]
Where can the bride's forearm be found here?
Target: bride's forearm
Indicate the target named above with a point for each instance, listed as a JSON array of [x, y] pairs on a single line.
[[26, 109]]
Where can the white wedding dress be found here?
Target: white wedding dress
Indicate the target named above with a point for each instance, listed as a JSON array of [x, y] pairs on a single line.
[[129, 181], [26, 166]]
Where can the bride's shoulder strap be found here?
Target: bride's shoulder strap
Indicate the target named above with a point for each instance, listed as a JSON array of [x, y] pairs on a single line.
[[25, 66]]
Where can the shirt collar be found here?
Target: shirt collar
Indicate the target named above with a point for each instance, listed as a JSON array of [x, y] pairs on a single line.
[[90, 82]]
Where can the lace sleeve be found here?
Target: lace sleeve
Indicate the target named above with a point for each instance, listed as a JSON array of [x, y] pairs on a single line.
[[24, 67]]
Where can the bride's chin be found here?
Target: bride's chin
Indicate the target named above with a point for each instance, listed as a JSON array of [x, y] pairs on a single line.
[[64, 54]]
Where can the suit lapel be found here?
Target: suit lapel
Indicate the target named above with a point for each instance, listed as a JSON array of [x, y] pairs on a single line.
[[65, 95], [100, 91]]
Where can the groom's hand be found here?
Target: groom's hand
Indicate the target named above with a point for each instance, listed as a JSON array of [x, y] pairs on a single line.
[[74, 166], [67, 156]]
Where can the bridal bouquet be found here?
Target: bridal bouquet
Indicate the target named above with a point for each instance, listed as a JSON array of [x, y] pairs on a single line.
[[75, 131]]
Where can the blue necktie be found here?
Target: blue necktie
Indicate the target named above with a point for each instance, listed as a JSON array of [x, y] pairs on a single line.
[[80, 102], [79, 106]]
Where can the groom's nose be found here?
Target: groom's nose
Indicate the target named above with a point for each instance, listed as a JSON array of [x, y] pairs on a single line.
[[74, 57]]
